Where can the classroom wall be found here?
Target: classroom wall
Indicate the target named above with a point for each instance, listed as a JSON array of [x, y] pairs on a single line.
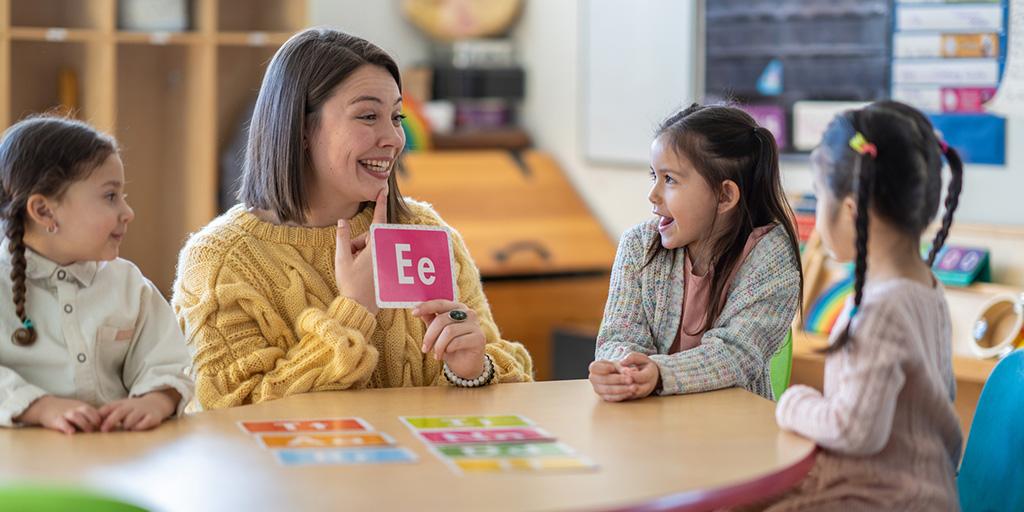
[[548, 38]]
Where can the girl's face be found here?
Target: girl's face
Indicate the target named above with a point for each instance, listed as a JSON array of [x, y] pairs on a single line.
[[682, 197], [835, 218], [359, 136], [91, 217]]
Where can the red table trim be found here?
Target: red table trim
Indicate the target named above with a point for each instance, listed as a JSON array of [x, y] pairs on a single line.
[[732, 495]]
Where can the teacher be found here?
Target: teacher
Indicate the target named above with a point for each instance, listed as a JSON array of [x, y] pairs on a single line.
[[276, 296]]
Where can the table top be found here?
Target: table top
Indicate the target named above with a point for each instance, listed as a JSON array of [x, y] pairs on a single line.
[[688, 452]]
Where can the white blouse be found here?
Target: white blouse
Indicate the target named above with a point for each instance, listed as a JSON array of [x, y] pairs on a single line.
[[104, 333]]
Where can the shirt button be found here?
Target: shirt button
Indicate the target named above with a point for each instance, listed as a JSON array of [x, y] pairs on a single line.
[[68, 308], [61, 274], [81, 357]]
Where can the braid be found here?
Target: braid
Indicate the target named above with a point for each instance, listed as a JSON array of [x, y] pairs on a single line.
[[956, 166], [25, 335], [864, 190]]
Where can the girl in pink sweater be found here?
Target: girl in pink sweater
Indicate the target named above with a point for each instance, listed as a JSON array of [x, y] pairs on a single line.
[[888, 433]]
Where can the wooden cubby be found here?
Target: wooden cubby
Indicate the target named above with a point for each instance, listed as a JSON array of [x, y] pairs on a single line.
[[172, 99]]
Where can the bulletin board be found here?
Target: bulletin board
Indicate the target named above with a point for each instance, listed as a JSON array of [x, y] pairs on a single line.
[[794, 64]]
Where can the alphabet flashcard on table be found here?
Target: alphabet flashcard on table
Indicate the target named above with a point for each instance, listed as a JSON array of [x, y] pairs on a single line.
[[524, 465], [485, 435], [332, 440], [503, 450], [435, 422], [295, 426], [345, 456], [412, 264]]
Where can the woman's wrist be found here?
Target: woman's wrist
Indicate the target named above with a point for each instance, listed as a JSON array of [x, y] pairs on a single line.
[[485, 377]]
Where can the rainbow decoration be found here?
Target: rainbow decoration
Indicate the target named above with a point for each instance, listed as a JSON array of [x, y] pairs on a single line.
[[416, 127], [825, 310]]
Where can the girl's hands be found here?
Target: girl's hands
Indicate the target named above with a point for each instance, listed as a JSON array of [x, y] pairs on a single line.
[[139, 413], [635, 376], [62, 414]]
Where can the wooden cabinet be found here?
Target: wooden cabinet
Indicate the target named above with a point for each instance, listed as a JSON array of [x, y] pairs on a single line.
[[543, 257], [173, 99]]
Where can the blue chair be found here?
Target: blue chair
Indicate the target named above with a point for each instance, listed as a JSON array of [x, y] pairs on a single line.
[[780, 367], [991, 475]]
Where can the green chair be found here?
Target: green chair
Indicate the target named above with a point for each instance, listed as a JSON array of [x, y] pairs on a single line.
[[44, 498], [781, 366]]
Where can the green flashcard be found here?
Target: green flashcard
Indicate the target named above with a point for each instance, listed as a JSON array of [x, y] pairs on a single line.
[[433, 422], [503, 450]]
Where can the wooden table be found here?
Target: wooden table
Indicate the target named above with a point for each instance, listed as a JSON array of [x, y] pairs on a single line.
[[690, 452]]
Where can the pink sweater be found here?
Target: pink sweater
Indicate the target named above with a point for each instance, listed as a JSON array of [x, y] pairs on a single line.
[[889, 434]]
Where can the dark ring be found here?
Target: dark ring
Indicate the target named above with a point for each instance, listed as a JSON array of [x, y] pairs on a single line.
[[458, 315]]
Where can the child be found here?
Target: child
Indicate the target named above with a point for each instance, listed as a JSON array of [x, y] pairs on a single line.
[[93, 345], [886, 422], [702, 295]]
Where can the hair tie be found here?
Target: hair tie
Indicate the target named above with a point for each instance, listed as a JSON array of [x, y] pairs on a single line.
[[943, 146], [27, 323], [862, 146]]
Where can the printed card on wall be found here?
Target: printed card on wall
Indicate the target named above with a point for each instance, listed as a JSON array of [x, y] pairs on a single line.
[[412, 264]]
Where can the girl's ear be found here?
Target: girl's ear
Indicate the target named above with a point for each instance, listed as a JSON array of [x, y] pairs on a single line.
[[728, 196], [40, 210], [848, 210]]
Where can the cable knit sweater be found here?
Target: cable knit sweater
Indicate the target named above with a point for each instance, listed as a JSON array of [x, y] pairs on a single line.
[[886, 421], [645, 304], [261, 313]]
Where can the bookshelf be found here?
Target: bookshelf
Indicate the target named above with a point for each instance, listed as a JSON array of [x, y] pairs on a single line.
[[172, 99]]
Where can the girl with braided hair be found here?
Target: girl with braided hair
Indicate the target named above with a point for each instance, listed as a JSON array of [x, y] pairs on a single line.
[[93, 345], [886, 426]]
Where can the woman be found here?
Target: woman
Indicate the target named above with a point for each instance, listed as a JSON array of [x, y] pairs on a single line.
[[276, 296]]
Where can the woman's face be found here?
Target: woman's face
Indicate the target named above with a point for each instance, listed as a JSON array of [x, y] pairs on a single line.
[[356, 138]]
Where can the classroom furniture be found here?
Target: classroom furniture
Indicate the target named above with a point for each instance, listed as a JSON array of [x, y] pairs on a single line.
[[173, 99], [543, 257], [991, 474], [781, 366], [686, 452]]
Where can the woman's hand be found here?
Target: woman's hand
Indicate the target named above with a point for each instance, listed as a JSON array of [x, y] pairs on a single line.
[[635, 376], [62, 414], [460, 343], [140, 413], [353, 262]]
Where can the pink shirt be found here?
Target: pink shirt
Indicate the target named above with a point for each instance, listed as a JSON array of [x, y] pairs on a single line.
[[697, 291]]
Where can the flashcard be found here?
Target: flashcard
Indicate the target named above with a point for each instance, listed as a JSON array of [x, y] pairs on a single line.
[[485, 435], [411, 264], [344, 456], [503, 450], [528, 465], [436, 422], [292, 426], [333, 440]]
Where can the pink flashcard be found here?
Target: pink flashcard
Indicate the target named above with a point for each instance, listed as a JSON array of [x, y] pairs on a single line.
[[411, 264], [485, 435]]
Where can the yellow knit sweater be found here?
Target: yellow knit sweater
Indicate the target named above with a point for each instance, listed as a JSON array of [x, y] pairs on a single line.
[[261, 313]]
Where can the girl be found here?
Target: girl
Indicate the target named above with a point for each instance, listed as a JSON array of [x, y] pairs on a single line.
[[92, 345], [277, 295], [702, 295], [886, 422]]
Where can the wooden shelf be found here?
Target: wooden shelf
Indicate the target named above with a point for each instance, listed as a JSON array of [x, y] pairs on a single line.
[[54, 34], [966, 369], [170, 98], [160, 38], [253, 38]]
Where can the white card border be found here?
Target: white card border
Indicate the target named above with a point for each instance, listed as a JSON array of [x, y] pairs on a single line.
[[376, 284]]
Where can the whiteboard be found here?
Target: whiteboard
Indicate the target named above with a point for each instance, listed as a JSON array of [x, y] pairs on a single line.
[[639, 65]]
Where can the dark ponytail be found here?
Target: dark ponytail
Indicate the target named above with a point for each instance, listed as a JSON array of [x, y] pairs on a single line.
[[725, 143], [41, 155], [956, 167], [889, 158]]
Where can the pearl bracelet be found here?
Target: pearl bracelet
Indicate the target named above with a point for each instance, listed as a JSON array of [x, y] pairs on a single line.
[[484, 379]]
